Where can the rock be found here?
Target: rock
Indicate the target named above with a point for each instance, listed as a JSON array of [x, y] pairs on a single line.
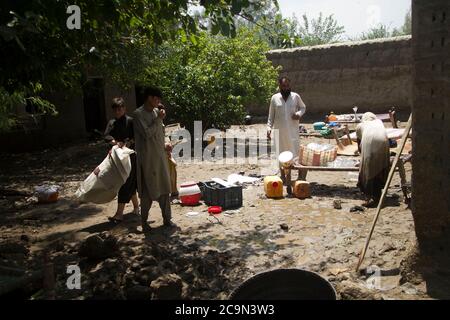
[[91, 247], [354, 291], [24, 238], [129, 280], [337, 204], [20, 204], [189, 275], [135, 267], [96, 248], [343, 276], [357, 209], [169, 265], [388, 246], [149, 261], [147, 275], [168, 287], [409, 288], [11, 247], [138, 292], [284, 227], [127, 251], [110, 243]]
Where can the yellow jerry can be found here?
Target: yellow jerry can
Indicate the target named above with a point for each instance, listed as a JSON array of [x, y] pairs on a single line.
[[273, 187]]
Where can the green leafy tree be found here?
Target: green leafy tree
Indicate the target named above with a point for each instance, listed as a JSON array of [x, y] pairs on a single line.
[[214, 79], [270, 25], [406, 28], [380, 31], [41, 55], [383, 31], [320, 30]]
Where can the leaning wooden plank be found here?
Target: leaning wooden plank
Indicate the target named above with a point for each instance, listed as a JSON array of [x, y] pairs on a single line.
[[386, 187], [312, 168]]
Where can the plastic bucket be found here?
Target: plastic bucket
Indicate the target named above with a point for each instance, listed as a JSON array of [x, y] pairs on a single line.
[[285, 284]]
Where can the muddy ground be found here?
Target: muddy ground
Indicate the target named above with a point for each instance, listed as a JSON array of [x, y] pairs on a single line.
[[206, 257]]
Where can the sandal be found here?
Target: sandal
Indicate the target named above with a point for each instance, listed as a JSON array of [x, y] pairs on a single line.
[[115, 220]]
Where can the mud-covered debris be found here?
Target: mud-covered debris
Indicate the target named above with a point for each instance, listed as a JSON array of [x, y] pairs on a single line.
[[98, 248], [388, 246], [349, 290], [168, 287], [149, 261], [337, 204], [357, 209]]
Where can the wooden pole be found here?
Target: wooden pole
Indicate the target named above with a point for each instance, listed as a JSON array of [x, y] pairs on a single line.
[[386, 187]]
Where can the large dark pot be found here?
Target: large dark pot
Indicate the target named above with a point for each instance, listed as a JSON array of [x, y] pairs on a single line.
[[285, 284]]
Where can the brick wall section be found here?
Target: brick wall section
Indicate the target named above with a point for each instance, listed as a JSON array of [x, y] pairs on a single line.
[[431, 121], [374, 75]]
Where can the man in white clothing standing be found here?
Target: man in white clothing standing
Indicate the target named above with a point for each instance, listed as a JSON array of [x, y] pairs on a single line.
[[286, 109]]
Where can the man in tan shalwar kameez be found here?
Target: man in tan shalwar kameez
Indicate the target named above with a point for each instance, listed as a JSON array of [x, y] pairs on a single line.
[[373, 144], [153, 179]]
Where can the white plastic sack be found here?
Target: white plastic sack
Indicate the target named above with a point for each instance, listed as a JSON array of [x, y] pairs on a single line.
[[238, 179], [114, 171], [320, 147]]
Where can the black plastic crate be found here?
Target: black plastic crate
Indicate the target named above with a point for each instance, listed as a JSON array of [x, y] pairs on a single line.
[[214, 194]]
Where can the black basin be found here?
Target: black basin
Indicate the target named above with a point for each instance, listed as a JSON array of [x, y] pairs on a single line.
[[285, 284]]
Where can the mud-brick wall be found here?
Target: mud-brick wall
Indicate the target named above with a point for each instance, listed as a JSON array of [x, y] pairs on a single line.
[[374, 75], [431, 123], [47, 130]]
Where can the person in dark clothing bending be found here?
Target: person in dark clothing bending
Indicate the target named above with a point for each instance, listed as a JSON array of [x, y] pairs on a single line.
[[119, 131]]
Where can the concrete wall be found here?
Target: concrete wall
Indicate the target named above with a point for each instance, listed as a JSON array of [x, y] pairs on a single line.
[[373, 75], [431, 123]]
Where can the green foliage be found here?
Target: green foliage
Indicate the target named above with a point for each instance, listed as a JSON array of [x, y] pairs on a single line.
[[214, 79], [10, 101], [319, 31], [37, 48], [270, 25], [282, 32], [383, 31], [406, 28], [380, 31]]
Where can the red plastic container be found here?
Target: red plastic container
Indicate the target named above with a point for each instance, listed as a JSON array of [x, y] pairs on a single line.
[[191, 200], [190, 194]]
